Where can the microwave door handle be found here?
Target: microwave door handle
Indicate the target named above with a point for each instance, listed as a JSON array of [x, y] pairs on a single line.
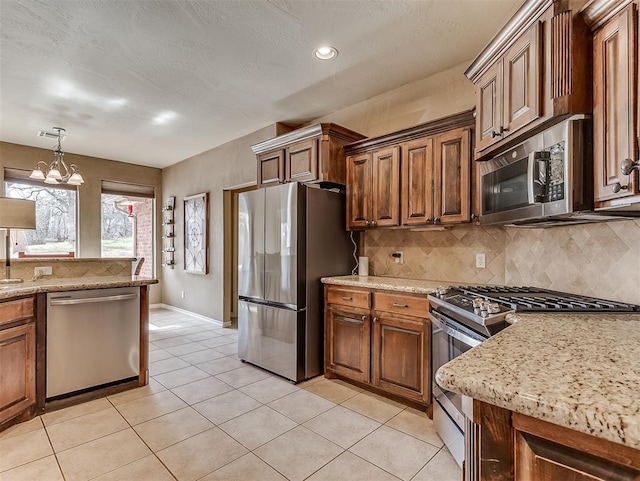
[[531, 172]]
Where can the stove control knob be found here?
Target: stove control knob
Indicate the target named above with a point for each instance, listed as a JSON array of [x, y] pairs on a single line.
[[477, 301], [493, 308], [441, 291]]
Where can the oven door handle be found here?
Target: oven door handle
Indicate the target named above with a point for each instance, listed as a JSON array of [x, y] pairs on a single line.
[[460, 336]]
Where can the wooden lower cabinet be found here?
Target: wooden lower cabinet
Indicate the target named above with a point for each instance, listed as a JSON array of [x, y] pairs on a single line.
[[379, 340], [17, 361], [400, 361], [521, 448], [349, 332]]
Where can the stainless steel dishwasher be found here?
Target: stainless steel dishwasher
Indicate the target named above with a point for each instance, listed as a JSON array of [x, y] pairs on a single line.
[[93, 339]]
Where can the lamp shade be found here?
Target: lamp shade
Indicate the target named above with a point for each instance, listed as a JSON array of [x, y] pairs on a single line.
[[17, 213]]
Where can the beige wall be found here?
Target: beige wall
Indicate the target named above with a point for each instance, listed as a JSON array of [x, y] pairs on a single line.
[[443, 94], [94, 170], [228, 165]]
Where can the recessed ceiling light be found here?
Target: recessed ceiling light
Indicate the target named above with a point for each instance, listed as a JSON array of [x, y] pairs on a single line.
[[326, 53]]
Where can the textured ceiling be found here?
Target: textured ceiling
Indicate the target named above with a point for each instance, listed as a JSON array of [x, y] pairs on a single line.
[[153, 82]]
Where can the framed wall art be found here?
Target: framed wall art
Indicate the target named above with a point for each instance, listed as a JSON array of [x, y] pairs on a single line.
[[196, 233]]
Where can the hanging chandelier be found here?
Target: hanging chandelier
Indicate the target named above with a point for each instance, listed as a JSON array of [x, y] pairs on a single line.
[[57, 172]]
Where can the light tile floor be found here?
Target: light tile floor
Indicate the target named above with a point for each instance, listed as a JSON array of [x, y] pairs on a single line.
[[207, 416]]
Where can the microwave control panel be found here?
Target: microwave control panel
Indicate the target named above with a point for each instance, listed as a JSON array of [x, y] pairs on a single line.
[[554, 172]]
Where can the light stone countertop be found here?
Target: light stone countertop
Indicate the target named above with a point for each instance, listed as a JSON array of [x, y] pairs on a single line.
[[71, 284], [415, 286], [580, 371]]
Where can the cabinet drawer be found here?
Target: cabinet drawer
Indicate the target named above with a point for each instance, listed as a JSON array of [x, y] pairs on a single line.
[[349, 297], [14, 310], [403, 304]]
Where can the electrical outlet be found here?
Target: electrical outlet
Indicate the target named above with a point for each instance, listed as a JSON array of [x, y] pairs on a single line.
[[398, 256], [481, 261], [43, 271], [182, 294]]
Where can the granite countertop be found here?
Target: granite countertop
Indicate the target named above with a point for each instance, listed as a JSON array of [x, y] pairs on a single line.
[[71, 284], [581, 371], [416, 286]]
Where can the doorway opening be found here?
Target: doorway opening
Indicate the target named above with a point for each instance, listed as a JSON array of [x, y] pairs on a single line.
[[230, 262]]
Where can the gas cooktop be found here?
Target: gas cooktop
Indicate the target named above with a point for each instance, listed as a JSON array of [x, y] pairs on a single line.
[[534, 299]]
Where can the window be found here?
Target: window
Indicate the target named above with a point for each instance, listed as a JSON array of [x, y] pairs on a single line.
[[56, 218], [128, 222]]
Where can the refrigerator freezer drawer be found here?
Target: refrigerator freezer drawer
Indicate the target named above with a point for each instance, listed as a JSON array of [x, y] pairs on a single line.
[[272, 338]]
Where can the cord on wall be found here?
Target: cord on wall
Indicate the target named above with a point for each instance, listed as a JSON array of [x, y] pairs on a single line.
[[355, 257]]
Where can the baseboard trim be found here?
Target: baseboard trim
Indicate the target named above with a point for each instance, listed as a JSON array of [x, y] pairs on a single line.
[[184, 311]]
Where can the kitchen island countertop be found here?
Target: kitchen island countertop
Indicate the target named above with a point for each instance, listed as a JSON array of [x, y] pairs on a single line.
[[580, 371], [416, 286], [71, 284]]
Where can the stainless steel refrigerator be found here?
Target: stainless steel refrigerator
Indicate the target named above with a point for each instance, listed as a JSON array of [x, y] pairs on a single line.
[[289, 236]]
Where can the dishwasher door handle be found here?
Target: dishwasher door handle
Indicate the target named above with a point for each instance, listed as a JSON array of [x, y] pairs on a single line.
[[65, 301]]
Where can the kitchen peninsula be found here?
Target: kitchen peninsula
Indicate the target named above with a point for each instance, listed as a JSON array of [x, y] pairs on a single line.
[[23, 340], [555, 395]]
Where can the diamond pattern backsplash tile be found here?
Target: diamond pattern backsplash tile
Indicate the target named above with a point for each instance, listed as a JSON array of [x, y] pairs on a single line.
[[600, 260], [448, 255], [72, 268]]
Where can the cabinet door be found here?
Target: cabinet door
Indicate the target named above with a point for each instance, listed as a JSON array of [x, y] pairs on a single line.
[[386, 187], [538, 459], [615, 100], [17, 370], [522, 81], [358, 191], [347, 342], [270, 168], [301, 164], [417, 181], [400, 355], [452, 177], [489, 107]]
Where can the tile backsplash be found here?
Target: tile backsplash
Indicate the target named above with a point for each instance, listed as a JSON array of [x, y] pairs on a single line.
[[447, 255], [601, 260], [68, 268]]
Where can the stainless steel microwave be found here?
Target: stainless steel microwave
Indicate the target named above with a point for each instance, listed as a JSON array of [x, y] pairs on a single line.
[[546, 179]]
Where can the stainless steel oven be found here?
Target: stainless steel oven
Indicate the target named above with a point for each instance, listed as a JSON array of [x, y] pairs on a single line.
[[449, 340]]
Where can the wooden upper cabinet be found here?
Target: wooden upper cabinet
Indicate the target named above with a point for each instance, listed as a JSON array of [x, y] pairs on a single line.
[[309, 154], [522, 74], [386, 188], [415, 175], [359, 183], [271, 168], [417, 185], [536, 68], [489, 107], [301, 161], [453, 177], [508, 94], [615, 101]]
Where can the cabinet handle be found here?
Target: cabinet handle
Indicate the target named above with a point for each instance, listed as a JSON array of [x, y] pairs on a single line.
[[617, 187], [627, 166], [474, 216], [374, 223], [397, 304], [367, 223], [351, 319], [347, 298], [495, 134], [376, 319], [359, 162], [436, 220]]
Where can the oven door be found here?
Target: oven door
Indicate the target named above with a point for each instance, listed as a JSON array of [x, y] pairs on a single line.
[[449, 340]]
